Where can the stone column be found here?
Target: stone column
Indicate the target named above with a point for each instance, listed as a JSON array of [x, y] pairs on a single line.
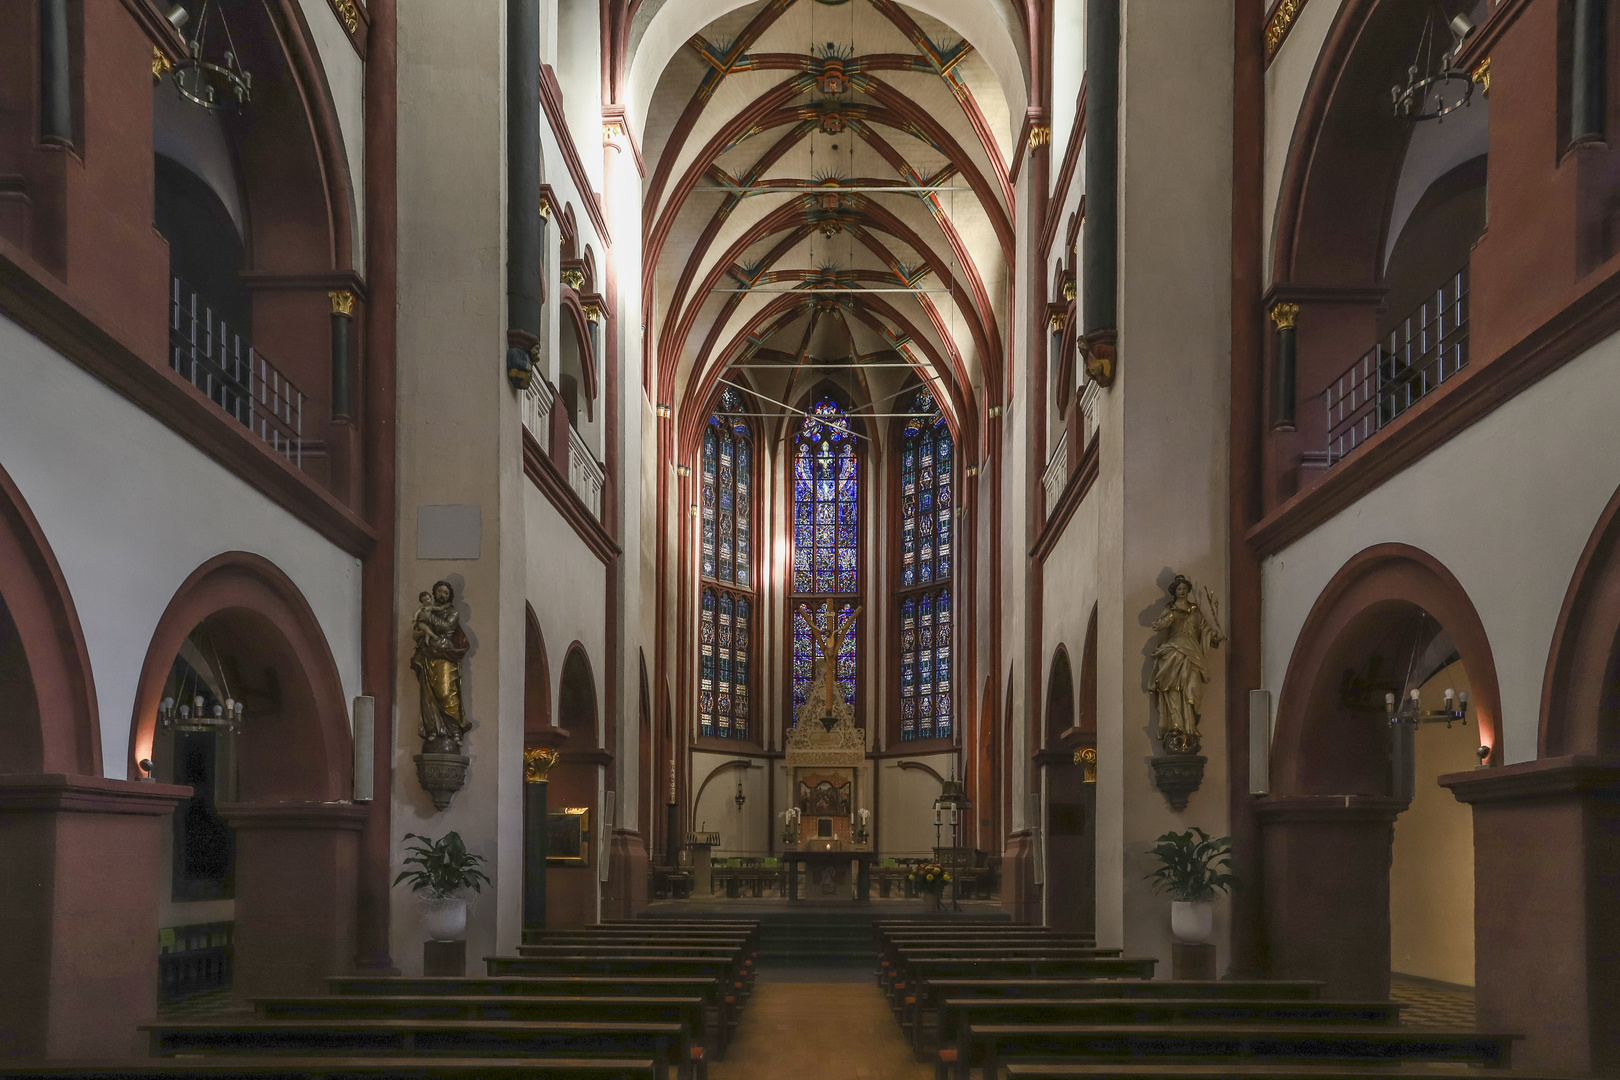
[[1546, 936], [537, 762], [1327, 860], [79, 969], [296, 869]]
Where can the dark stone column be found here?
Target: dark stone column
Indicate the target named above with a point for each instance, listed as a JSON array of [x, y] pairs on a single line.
[[1588, 82], [1099, 245], [1283, 364], [55, 74], [1327, 860], [524, 253], [537, 763], [1546, 879]]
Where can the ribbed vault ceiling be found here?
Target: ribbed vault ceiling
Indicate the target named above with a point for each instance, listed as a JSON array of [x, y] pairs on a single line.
[[827, 182]]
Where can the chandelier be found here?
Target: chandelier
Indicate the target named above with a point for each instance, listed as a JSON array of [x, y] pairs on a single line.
[[1434, 85], [1454, 710], [191, 712], [212, 81]]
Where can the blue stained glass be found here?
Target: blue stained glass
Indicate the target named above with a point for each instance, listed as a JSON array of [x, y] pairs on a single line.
[[846, 582], [824, 535], [802, 580], [825, 582], [846, 558], [825, 513], [804, 535], [846, 514]]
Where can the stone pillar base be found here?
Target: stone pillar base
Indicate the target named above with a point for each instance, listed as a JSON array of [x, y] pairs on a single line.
[[1546, 937], [296, 866], [1020, 896], [80, 966], [1327, 861]]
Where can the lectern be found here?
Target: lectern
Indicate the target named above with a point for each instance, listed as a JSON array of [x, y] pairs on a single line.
[[700, 844]]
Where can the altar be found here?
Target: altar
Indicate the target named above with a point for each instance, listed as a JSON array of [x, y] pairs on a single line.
[[825, 829]]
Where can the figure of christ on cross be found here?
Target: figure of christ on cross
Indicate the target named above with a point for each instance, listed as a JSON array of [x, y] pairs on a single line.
[[828, 643]]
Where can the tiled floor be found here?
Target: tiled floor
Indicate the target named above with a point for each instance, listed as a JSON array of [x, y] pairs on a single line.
[[822, 1029], [1426, 1004]]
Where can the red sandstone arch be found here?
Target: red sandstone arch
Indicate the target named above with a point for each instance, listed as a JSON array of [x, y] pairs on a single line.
[[536, 675], [1579, 710], [1060, 715], [576, 700], [1380, 582], [301, 751], [62, 734]]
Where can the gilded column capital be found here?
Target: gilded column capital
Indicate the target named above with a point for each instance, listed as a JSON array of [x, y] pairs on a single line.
[[1482, 75], [1040, 135], [348, 13], [593, 312], [1057, 321], [342, 302], [545, 208], [537, 763], [160, 63], [573, 277], [1283, 315], [1087, 759]]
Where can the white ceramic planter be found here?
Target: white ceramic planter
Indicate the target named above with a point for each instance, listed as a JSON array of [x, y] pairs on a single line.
[[443, 918], [1192, 921]]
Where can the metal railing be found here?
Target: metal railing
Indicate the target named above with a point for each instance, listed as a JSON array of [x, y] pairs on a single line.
[[537, 402], [584, 473], [220, 362], [1428, 347], [1056, 477]]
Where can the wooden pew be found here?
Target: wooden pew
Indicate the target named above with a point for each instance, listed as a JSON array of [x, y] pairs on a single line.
[[901, 958], [923, 1019], [920, 970], [960, 1016], [662, 1042], [1225, 1069], [741, 969], [338, 1068], [1269, 1043], [624, 1008], [720, 1006]]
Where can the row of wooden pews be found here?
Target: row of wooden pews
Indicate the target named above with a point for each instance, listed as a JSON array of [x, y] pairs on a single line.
[[1033, 1003], [615, 1001]]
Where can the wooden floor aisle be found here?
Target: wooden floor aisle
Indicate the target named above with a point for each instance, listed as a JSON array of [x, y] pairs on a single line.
[[831, 1031]]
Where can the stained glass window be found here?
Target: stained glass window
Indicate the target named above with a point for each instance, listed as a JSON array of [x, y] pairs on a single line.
[[826, 540], [927, 524], [727, 560]]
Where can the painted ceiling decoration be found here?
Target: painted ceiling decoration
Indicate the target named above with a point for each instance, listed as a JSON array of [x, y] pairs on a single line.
[[828, 194]]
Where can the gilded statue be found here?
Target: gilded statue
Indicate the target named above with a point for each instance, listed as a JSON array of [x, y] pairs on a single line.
[[441, 644], [828, 642], [1180, 664]]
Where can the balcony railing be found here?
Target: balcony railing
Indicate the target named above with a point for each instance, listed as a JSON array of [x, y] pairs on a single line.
[[221, 363], [537, 402], [1056, 476], [584, 474], [1428, 347]]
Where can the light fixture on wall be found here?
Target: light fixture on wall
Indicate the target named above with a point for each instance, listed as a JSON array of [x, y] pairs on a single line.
[[740, 798], [1434, 85], [216, 80], [1453, 711], [194, 715]]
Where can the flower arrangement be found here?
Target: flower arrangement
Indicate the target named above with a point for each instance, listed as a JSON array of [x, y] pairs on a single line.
[[929, 878]]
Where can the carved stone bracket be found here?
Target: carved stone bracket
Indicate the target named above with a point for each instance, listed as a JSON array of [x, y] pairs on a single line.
[[1178, 776], [441, 776]]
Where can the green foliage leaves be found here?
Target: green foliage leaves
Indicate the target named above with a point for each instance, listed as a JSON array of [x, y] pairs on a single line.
[[1192, 868], [444, 866]]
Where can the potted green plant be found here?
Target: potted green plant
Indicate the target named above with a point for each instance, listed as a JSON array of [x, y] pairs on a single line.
[[1192, 865], [444, 870]]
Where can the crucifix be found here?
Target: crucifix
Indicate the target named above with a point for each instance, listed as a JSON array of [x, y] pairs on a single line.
[[827, 644]]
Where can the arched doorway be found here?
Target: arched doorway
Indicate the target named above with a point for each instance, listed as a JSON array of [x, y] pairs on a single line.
[[1071, 837], [279, 791], [1359, 870], [94, 841], [575, 801]]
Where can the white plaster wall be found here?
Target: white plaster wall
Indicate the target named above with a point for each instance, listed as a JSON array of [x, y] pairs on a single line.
[[131, 509], [1068, 71], [1286, 80], [567, 587], [346, 79], [742, 832], [1506, 506], [905, 811]]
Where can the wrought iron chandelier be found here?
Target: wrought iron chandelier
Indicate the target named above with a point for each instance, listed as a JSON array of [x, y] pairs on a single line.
[[1435, 86], [191, 711], [1410, 710], [214, 83]]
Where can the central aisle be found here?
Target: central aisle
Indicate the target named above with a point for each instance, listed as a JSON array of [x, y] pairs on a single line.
[[838, 1030]]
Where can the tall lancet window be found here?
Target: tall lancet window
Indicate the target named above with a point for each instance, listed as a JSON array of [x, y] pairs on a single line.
[[725, 612], [927, 520], [826, 541]]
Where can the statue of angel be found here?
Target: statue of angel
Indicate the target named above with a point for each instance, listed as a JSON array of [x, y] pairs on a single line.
[[1180, 667]]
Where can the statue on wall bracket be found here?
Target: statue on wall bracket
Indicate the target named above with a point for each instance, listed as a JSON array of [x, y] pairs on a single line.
[[1180, 670], [441, 645]]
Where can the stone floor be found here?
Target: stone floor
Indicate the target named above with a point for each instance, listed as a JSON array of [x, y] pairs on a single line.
[[819, 1029], [1430, 1004]]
